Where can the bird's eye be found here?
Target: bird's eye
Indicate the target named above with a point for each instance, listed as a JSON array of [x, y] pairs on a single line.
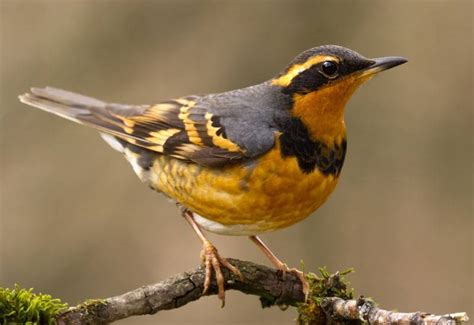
[[329, 69]]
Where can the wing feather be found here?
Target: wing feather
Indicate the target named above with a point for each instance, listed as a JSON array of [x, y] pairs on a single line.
[[183, 128]]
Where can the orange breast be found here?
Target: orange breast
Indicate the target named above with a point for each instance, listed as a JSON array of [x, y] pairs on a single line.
[[264, 195]]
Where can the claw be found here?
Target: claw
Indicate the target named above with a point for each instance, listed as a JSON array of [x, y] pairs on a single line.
[[300, 276], [282, 266], [213, 261]]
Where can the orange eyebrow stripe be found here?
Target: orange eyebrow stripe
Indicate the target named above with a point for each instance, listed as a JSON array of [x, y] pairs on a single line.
[[296, 69]]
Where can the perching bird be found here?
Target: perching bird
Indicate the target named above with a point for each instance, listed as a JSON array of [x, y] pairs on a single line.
[[243, 162]]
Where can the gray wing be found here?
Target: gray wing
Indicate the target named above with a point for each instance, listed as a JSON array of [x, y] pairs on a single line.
[[247, 116], [211, 130]]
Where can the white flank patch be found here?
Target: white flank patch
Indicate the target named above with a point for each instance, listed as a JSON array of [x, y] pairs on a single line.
[[136, 167], [229, 230]]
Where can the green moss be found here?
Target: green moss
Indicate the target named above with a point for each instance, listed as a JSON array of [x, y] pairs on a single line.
[[22, 306], [92, 302], [89, 305], [325, 285]]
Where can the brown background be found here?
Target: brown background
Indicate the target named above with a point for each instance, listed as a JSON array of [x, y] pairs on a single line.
[[77, 223]]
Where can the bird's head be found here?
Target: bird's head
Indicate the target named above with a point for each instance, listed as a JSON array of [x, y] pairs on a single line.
[[322, 79]]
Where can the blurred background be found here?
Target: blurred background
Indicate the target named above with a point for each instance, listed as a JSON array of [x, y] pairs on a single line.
[[77, 223]]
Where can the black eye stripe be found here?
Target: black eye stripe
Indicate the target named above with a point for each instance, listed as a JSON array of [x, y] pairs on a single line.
[[307, 81], [315, 77]]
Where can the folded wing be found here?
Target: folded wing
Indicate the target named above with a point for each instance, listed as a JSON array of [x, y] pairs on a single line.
[[186, 128]]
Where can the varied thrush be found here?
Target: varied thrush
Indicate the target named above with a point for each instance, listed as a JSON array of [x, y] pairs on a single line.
[[242, 162]]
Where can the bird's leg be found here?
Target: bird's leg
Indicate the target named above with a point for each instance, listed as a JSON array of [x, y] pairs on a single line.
[[280, 265], [211, 259]]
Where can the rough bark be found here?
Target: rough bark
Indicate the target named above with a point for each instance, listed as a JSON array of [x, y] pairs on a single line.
[[366, 310], [272, 286]]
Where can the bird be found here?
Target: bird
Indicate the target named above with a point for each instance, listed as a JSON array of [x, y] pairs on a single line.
[[242, 162]]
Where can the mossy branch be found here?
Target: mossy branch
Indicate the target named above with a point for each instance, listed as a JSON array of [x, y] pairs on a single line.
[[21, 306], [330, 300]]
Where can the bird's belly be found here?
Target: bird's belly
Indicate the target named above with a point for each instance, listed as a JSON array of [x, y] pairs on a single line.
[[264, 195]]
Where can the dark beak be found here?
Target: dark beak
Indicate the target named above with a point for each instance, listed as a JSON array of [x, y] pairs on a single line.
[[381, 64]]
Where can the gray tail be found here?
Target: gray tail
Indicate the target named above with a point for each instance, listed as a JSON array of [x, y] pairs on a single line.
[[80, 109], [90, 112], [66, 104], [102, 116]]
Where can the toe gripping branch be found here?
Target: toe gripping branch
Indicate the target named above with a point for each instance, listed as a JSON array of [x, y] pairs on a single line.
[[211, 259]]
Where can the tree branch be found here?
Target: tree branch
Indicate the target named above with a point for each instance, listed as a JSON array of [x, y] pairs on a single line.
[[272, 286], [366, 310]]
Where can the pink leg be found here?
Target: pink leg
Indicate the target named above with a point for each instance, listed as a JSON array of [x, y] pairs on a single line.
[[280, 265], [211, 259]]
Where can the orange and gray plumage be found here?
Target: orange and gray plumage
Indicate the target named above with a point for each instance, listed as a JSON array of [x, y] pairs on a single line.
[[243, 162]]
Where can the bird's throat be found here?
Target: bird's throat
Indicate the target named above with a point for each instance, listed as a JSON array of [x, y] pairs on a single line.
[[322, 111]]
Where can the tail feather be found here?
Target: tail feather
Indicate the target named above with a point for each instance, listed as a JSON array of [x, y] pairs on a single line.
[[86, 111], [60, 102], [75, 107], [66, 97], [99, 115]]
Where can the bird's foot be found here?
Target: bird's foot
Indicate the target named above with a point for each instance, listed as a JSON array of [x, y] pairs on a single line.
[[213, 261], [282, 266], [301, 276]]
